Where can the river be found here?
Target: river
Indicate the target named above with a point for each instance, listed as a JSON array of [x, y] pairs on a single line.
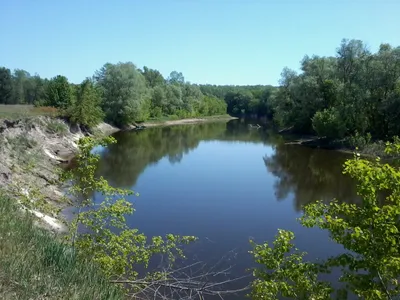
[[225, 183]]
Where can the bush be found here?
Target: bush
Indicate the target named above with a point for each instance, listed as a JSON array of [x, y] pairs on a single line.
[[359, 141], [173, 117], [329, 124]]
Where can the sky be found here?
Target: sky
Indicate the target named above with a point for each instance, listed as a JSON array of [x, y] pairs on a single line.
[[236, 42]]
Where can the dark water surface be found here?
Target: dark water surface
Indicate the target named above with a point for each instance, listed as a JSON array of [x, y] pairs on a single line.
[[225, 183]]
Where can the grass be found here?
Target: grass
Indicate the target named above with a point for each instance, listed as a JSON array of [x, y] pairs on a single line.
[[56, 127], [22, 111], [36, 265]]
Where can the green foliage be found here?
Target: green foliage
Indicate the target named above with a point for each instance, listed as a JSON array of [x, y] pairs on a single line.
[[358, 141], [34, 263], [368, 232], [6, 87], [328, 123], [124, 92], [22, 86], [86, 110], [176, 78], [237, 102], [290, 276], [355, 91], [153, 77], [115, 247], [59, 93]]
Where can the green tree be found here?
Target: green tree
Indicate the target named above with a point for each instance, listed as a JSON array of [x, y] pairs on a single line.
[[238, 102], [368, 232], [124, 92], [39, 92], [87, 110], [153, 77], [6, 86], [174, 99], [107, 240], [361, 85], [176, 78], [59, 93], [22, 86]]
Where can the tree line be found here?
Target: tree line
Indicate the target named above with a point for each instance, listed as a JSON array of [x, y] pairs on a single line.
[[353, 94], [118, 93]]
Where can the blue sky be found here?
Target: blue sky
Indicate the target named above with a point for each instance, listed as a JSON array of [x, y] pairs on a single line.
[[209, 41]]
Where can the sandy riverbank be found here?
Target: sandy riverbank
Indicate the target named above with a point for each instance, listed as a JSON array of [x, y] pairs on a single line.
[[187, 121]]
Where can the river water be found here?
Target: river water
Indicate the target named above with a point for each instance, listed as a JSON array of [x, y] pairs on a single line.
[[225, 183]]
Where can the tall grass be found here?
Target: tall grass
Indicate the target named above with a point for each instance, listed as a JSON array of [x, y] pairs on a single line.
[[16, 111], [34, 264]]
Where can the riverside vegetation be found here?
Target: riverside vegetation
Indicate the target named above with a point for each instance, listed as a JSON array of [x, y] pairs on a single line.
[[111, 253], [353, 97]]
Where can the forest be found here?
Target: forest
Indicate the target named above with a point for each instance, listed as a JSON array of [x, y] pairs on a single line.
[[354, 94]]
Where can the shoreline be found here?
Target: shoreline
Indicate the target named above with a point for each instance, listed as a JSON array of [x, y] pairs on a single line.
[[157, 123], [34, 140], [371, 150]]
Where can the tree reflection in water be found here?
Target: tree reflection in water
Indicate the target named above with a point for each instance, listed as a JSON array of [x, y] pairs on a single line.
[[309, 174]]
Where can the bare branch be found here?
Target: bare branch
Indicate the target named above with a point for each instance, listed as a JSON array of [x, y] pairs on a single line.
[[192, 281]]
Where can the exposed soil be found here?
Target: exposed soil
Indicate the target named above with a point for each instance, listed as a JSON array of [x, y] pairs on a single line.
[[31, 152], [185, 121]]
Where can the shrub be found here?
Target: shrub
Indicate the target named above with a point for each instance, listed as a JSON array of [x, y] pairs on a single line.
[[329, 124], [359, 141]]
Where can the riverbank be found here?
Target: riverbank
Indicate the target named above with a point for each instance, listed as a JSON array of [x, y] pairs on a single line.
[[369, 150], [32, 150], [171, 122]]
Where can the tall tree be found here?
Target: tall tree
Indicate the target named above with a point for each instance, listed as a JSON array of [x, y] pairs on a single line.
[[59, 93], [6, 86], [176, 78], [22, 85], [40, 87], [87, 110], [153, 77], [124, 92]]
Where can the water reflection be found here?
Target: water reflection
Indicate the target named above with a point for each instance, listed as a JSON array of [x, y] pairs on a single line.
[[224, 183], [310, 174], [122, 163]]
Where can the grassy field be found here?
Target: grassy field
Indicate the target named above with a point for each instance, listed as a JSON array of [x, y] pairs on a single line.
[[21, 111], [36, 265]]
